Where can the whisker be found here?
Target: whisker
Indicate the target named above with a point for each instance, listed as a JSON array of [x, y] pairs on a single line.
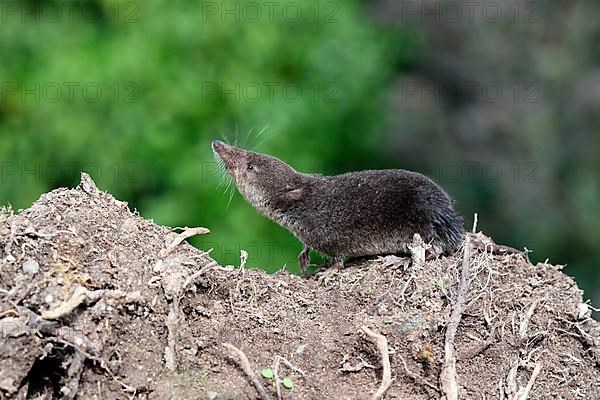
[[226, 182], [236, 136], [231, 193], [224, 137], [258, 136], [246, 141]]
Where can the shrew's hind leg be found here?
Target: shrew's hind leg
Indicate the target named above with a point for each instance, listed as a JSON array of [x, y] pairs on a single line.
[[304, 259], [431, 254], [334, 265]]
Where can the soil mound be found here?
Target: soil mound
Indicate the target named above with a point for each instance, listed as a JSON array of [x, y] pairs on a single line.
[[98, 303]]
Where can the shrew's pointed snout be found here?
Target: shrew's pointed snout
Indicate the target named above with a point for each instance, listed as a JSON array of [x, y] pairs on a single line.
[[217, 145], [229, 154], [222, 150]]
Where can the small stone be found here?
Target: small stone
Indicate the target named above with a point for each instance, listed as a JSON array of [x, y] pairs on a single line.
[[212, 395], [31, 266], [159, 266], [129, 226], [583, 311]]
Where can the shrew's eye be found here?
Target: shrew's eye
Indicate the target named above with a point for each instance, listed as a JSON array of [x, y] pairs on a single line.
[[250, 167]]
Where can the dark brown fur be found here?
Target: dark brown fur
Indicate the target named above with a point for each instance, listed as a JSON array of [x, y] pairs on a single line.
[[359, 213]]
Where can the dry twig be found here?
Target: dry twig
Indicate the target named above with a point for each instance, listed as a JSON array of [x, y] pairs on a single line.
[[418, 249], [346, 367], [511, 379], [482, 346], [172, 322], [78, 297], [74, 339], [188, 232], [276, 378], [74, 373], [415, 376], [9, 243], [244, 364], [81, 295], [525, 320], [276, 363], [525, 392], [192, 278], [448, 378], [382, 346], [174, 316]]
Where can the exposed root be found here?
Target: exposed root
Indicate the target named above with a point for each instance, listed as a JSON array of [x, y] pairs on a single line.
[[525, 320], [332, 268], [524, 393], [448, 378], [82, 295], [174, 316], [74, 374], [101, 362], [172, 322], [415, 376], [382, 346], [276, 378], [478, 349], [69, 335], [82, 345], [244, 364], [77, 298], [278, 361], [87, 184], [9, 242], [418, 249], [488, 246], [188, 232], [192, 278], [347, 367], [29, 231], [511, 379], [291, 366]]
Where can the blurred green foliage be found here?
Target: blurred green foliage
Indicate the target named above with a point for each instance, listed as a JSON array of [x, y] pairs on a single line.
[[174, 75], [134, 92]]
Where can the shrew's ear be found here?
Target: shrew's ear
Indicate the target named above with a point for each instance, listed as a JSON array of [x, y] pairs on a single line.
[[296, 194]]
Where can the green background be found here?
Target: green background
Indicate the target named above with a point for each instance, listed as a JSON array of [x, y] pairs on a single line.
[[134, 92]]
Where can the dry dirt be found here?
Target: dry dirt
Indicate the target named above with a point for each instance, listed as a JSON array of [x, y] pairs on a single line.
[[91, 302]]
